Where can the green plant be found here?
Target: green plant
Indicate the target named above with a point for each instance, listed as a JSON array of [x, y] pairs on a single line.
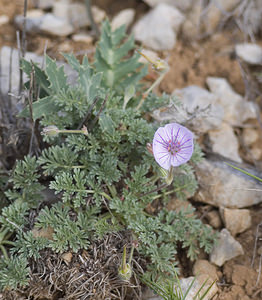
[[104, 177]]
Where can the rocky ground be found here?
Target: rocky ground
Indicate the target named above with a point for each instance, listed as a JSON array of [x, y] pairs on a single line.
[[217, 75]]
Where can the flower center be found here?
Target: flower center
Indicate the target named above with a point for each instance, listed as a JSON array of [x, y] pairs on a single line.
[[173, 148]]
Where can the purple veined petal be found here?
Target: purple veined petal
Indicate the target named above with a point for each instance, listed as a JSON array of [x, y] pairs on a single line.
[[173, 145]]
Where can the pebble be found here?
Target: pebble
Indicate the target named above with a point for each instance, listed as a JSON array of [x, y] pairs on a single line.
[[219, 140], [236, 220], [157, 29], [250, 53], [4, 19], [83, 38], [56, 26], [225, 249], [237, 110], [203, 266], [224, 186], [124, 17], [33, 20], [199, 281]]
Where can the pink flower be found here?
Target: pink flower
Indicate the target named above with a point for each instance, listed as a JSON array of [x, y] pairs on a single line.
[[172, 145]]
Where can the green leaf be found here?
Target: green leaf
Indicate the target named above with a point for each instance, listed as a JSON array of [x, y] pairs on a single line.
[[106, 123], [56, 75], [41, 108]]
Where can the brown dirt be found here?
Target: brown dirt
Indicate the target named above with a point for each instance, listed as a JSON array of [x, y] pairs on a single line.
[[189, 64]]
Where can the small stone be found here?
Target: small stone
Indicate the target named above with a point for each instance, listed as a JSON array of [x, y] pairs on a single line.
[[225, 249], [34, 19], [237, 110], [157, 29], [200, 280], [225, 186], [74, 14], [236, 220], [214, 219], [83, 38], [4, 19], [250, 53], [98, 13], [124, 17], [67, 257], [250, 136], [219, 141], [203, 266], [56, 26]]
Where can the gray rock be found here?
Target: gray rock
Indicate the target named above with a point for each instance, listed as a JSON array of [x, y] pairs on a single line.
[[224, 186], [237, 110], [198, 108], [226, 249], [76, 13], [200, 280], [236, 220], [220, 144], [250, 53], [5, 54], [157, 29], [5, 59], [182, 5], [55, 26], [124, 17], [33, 20]]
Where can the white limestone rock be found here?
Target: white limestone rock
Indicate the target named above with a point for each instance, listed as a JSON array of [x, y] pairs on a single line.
[[4, 19], [250, 53], [124, 17], [157, 29], [199, 106], [223, 186], [224, 142], [225, 249], [56, 26], [200, 280], [236, 109]]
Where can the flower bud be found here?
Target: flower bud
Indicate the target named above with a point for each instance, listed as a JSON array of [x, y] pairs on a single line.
[[125, 270], [50, 130], [168, 175]]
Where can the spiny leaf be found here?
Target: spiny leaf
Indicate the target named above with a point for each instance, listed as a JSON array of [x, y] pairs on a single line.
[[56, 75]]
